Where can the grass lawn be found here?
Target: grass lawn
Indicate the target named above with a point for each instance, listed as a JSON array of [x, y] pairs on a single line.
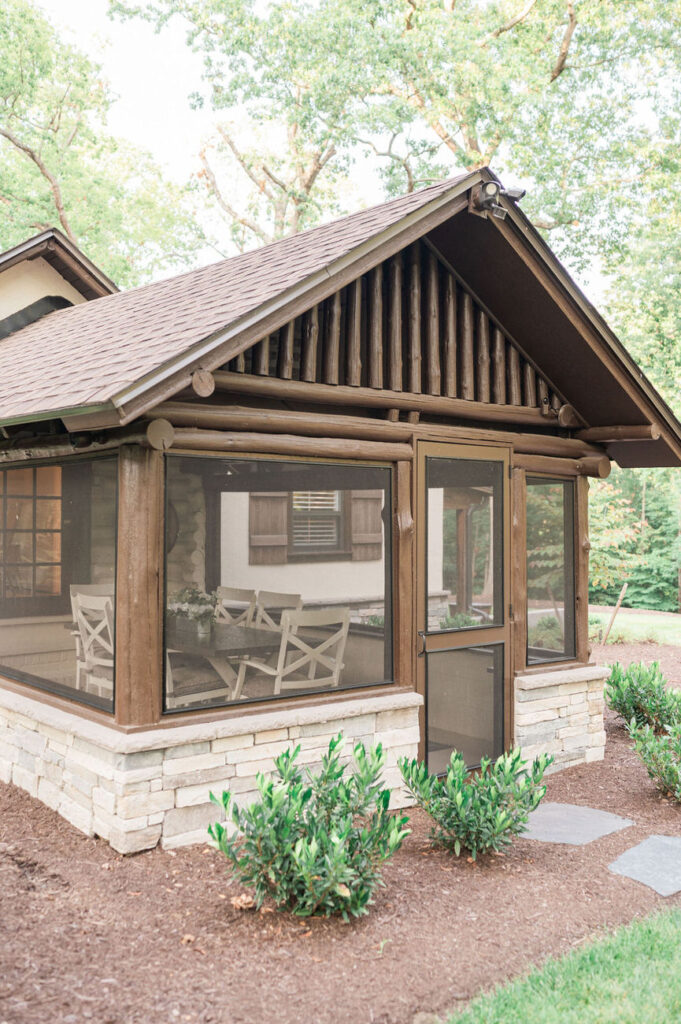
[[630, 978], [631, 626]]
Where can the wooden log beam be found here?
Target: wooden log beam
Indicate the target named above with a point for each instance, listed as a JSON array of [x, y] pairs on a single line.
[[466, 335], [308, 359], [285, 355], [483, 392], [449, 332], [203, 383], [261, 357], [192, 439], [332, 339], [499, 367], [568, 418], [49, 447], [591, 465], [224, 417], [602, 435], [415, 319], [433, 383], [436, 405], [395, 324], [514, 393], [375, 360], [529, 385], [353, 344]]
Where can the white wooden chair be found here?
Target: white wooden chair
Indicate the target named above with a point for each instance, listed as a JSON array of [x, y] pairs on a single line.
[[270, 600], [94, 618], [314, 659], [235, 606]]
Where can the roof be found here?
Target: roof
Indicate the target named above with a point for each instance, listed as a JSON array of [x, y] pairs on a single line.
[[66, 258], [90, 354], [111, 359]]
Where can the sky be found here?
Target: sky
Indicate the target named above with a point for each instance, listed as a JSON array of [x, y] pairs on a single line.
[[152, 74]]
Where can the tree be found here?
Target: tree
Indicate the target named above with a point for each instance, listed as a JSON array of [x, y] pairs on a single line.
[[58, 165], [567, 94]]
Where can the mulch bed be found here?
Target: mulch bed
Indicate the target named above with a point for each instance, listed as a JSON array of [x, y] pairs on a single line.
[[88, 935]]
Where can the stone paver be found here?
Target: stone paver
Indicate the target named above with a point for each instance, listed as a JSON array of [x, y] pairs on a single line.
[[656, 862], [572, 824]]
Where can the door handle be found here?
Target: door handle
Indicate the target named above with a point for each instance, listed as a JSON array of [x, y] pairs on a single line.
[[422, 634]]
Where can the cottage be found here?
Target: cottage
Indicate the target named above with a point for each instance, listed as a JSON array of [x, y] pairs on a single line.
[[338, 483]]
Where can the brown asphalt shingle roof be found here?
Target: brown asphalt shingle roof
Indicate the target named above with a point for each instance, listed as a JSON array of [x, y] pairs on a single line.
[[87, 354]]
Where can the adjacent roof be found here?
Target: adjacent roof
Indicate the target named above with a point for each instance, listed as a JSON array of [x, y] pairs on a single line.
[[112, 357], [66, 258]]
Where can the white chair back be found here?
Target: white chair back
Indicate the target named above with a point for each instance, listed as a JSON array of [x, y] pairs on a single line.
[[320, 658], [270, 600], [94, 619], [235, 606]]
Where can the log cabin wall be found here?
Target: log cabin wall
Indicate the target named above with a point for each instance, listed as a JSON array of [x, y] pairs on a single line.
[[409, 325]]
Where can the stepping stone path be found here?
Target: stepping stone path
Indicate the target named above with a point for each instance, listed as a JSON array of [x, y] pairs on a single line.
[[656, 862], [572, 824]]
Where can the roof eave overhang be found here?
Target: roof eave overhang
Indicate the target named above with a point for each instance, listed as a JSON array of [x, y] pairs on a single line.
[[56, 247]]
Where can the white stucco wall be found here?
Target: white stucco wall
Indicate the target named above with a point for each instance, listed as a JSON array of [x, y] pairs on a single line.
[[315, 581], [29, 281]]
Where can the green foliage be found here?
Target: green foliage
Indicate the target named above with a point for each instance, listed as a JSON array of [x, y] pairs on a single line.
[[59, 166], [547, 633], [639, 694], [314, 843], [630, 977], [376, 620], [462, 620], [660, 752], [481, 810]]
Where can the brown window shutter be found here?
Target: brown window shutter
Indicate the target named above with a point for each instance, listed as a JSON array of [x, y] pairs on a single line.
[[366, 525], [268, 527]]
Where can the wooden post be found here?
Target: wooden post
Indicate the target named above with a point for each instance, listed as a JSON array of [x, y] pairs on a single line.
[[615, 611], [462, 559], [582, 548], [139, 615], [285, 364], [483, 362], [308, 369], [432, 326], [519, 573], [261, 357], [332, 339], [543, 396], [403, 587], [466, 335], [376, 327], [415, 319], [499, 364], [395, 325], [530, 385], [450, 336], [514, 390], [353, 348]]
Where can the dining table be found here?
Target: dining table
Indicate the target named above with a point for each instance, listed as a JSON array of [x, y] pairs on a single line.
[[223, 645]]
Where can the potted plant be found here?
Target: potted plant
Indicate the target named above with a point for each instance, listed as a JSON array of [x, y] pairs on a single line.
[[193, 609]]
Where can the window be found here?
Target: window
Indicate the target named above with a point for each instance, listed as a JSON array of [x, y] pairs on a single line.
[[550, 570], [57, 577], [317, 524], [277, 579]]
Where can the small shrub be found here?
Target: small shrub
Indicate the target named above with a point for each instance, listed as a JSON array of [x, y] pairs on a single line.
[[314, 843], [546, 633], [462, 620], [639, 693], [477, 811], [661, 755]]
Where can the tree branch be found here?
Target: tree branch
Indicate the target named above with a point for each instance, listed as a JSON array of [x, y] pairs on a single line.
[[243, 162], [559, 66], [509, 24], [47, 174], [245, 222]]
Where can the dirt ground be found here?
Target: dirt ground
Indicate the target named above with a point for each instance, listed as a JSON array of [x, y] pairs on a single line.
[[86, 935]]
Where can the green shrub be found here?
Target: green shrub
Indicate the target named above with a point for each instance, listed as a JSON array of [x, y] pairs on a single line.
[[546, 633], [462, 620], [314, 843], [482, 810], [661, 755], [639, 693]]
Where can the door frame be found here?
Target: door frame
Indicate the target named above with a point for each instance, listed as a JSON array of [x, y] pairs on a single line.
[[453, 639]]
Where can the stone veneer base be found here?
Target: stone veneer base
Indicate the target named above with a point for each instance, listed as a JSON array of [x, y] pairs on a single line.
[[560, 712], [136, 789]]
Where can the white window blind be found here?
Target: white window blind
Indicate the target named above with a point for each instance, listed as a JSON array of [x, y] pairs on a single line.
[[316, 519]]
